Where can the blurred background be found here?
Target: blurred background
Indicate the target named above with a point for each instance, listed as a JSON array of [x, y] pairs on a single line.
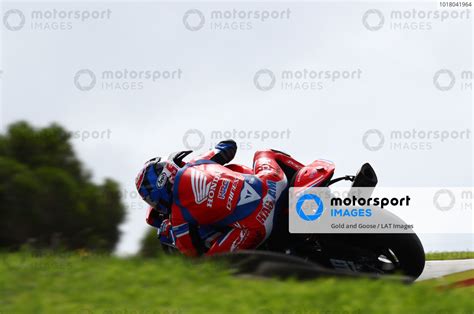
[[90, 91]]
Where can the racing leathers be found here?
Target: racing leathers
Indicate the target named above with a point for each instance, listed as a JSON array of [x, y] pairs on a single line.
[[210, 196]]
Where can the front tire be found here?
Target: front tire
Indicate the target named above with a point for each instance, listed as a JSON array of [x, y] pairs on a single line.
[[407, 249], [369, 252]]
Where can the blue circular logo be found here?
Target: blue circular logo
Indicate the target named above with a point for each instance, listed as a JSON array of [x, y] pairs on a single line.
[[309, 197]]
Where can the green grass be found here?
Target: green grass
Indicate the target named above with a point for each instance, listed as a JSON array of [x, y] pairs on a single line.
[[100, 284], [449, 255], [450, 279]]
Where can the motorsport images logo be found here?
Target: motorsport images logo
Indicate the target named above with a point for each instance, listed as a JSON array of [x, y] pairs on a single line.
[[458, 199], [411, 19], [304, 79], [445, 80], [124, 79], [324, 210], [413, 139], [342, 209], [52, 18], [232, 19], [246, 139], [309, 207]]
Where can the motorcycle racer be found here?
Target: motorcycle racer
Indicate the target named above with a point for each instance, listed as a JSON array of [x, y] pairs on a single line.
[[203, 194], [207, 206]]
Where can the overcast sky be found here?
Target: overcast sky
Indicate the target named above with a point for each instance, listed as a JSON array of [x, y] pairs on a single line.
[[144, 80]]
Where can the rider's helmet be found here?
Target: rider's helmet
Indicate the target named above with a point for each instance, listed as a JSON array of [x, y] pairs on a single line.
[[155, 181]]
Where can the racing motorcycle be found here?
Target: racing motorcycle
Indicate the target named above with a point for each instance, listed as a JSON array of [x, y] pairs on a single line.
[[375, 254]]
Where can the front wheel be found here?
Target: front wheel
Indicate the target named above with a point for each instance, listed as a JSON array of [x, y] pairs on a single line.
[[405, 251], [366, 253]]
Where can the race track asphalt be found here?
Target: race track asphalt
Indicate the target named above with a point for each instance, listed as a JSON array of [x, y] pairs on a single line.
[[434, 269]]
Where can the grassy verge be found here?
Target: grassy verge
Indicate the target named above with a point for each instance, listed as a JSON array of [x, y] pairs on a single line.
[[449, 280], [100, 284], [449, 255]]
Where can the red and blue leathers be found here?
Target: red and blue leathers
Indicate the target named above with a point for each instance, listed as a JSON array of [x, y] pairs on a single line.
[[205, 193]]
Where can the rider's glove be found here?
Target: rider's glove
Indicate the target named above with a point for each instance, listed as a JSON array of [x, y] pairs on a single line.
[[153, 218], [165, 232]]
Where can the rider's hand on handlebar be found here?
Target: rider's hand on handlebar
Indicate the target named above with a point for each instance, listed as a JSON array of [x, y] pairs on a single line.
[[165, 232]]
